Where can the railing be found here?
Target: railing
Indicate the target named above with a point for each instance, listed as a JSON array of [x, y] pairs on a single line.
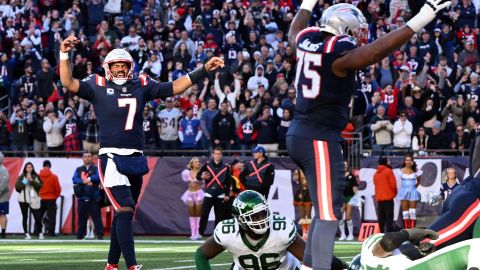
[[422, 153]]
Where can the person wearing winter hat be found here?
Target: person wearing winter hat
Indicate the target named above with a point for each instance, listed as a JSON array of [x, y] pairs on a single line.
[[49, 194]]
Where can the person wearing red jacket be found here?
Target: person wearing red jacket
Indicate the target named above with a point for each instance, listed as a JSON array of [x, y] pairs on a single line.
[[49, 193], [390, 96], [385, 191]]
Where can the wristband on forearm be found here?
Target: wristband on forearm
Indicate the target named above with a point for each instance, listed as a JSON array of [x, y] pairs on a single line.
[[198, 74], [63, 56], [308, 5]]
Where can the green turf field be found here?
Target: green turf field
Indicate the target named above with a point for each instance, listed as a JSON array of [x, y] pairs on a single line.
[[154, 253]]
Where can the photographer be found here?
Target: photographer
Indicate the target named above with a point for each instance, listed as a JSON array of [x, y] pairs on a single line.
[[86, 181]]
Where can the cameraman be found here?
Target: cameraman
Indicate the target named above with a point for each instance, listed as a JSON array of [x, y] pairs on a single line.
[[86, 181]]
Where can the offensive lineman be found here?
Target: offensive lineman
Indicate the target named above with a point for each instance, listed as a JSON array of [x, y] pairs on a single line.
[[328, 57], [119, 99], [256, 238]]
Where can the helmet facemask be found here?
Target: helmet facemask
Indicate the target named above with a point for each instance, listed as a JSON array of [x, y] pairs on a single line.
[[127, 72], [256, 220]]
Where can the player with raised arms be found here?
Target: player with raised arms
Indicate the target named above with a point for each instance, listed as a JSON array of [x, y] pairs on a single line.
[[327, 58], [118, 99], [256, 238]]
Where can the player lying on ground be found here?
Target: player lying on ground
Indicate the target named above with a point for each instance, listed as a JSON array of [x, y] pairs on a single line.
[[462, 207], [327, 59], [256, 238], [404, 250]]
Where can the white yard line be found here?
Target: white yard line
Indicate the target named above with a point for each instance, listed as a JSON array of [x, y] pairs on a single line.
[[191, 266]]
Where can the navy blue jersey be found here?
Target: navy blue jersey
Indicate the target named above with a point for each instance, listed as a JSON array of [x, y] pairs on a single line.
[[322, 97], [119, 108]]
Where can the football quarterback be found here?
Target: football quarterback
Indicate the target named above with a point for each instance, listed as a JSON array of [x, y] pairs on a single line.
[[256, 238]]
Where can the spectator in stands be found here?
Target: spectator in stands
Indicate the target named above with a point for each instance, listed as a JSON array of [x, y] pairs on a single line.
[[385, 192], [390, 96], [452, 115], [372, 108], [206, 123], [189, 131], [246, 132], [259, 173], [193, 197], [149, 130], [227, 93], [28, 186], [5, 131], [437, 140], [408, 194], [71, 138], [258, 79], [449, 182], [49, 194], [217, 177], [420, 142], [413, 114], [20, 137], [472, 110], [35, 121], [468, 90], [4, 196], [86, 182], [91, 141], [267, 126], [53, 129], [223, 128], [283, 128], [381, 128], [468, 55], [385, 74], [168, 123], [471, 126], [131, 41], [402, 133], [46, 79], [461, 141], [466, 13]]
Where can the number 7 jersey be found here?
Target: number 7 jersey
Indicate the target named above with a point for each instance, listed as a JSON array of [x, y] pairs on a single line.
[[119, 108], [268, 253], [323, 99]]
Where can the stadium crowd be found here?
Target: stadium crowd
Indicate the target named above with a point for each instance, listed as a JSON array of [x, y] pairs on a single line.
[[422, 98]]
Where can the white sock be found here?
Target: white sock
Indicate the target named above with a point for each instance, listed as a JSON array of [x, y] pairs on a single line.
[[350, 227], [405, 215], [341, 225], [413, 213]]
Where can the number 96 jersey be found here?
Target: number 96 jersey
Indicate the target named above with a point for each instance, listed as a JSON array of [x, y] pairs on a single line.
[[268, 253], [323, 99]]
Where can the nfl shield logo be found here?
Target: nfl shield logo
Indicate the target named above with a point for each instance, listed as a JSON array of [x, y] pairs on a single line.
[[124, 89], [110, 91]]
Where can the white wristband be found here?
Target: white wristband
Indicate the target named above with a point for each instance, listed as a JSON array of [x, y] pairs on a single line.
[[308, 4], [63, 56], [419, 21]]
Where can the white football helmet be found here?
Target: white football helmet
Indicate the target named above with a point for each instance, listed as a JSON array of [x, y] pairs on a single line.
[[118, 55], [345, 19]]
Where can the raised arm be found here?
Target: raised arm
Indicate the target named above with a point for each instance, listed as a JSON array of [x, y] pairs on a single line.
[[372, 53], [66, 77], [300, 21]]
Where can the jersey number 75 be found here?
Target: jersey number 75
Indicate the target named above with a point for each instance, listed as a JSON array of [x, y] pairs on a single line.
[[308, 64]]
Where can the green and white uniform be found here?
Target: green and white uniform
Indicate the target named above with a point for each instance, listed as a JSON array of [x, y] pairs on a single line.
[[268, 253], [462, 255]]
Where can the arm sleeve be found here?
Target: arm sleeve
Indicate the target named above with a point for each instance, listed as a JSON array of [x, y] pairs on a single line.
[[86, 90], [158, 90], [270, 175], [47, 126], [13, 118], [76, 178], [397, 127], [95, 177], [186, 176], [199, 135]]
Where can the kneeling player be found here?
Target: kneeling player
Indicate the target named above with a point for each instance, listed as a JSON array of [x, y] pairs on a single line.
[[256, 238], [405, 250]]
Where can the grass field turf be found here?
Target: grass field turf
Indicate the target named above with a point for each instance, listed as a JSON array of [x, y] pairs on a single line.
[[157, 253]]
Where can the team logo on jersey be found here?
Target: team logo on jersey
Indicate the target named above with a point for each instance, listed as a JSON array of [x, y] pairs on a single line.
[[124, 89], [110, 91], [87, 78]]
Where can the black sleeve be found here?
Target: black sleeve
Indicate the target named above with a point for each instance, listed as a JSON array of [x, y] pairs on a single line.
[[199, 174], [85, 90], [158, 90], [232, 127], [270, 176], [228, 181], [243, 174], [214, 127]]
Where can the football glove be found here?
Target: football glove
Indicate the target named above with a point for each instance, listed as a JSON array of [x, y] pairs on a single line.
[[427, 13]]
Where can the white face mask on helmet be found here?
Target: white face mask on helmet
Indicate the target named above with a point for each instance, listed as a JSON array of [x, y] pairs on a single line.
[[115, 56]]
